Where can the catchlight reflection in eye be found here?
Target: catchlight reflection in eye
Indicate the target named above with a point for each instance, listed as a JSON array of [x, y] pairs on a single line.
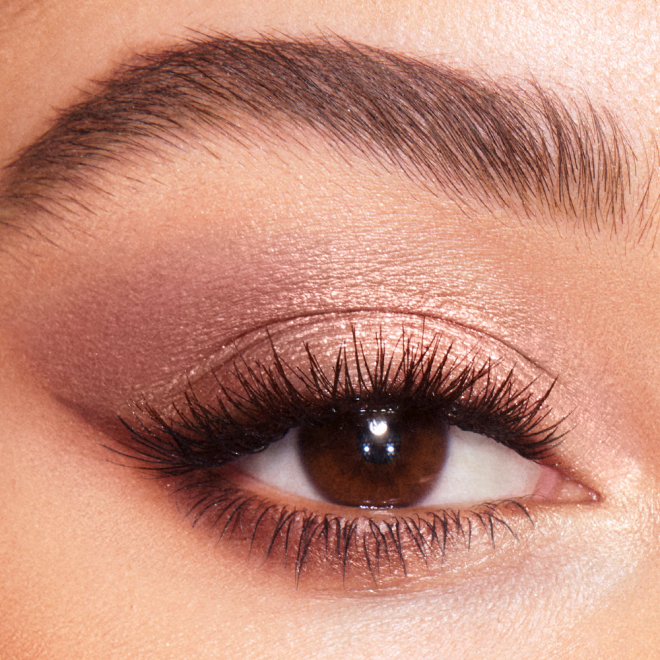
[[378, 444], [394, 460]]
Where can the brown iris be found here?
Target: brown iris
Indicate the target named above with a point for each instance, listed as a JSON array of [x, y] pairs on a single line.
[[375, 459]]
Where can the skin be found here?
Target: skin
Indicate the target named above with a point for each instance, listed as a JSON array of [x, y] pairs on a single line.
[[97, 562]]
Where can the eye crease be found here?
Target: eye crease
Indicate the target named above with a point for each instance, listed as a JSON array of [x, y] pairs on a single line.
[[315, 462]]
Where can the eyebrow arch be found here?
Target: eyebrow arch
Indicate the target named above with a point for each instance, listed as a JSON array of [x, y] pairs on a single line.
[[491, 143]]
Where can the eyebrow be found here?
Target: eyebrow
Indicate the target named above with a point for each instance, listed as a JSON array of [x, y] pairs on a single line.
[[490, 143]]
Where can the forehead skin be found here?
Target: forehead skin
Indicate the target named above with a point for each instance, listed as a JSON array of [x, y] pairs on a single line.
[[50, 51]]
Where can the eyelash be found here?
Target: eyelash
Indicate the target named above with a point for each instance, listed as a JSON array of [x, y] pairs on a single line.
[[195, 441]]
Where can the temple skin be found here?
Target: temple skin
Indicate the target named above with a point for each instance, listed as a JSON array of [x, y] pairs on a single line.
[[148, 280]]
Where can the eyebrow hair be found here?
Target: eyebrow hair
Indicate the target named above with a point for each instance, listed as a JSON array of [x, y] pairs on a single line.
[[485, 142]]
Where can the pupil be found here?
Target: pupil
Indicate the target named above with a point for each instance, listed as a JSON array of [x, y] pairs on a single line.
[[378, 442], [375, 459]]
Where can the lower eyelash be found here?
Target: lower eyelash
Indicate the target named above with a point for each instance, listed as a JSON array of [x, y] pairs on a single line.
[[314, 544]]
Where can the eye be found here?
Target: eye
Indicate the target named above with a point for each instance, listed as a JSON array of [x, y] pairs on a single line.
[[387, 459], [349, 459]]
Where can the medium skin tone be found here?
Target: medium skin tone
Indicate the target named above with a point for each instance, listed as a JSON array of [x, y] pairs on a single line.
[[97, 562]]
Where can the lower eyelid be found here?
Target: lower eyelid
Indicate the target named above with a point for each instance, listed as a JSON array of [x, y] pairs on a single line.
[[331, 546], [337, 549]]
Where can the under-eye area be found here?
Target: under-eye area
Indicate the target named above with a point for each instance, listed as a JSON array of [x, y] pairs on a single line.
[[371, 456]]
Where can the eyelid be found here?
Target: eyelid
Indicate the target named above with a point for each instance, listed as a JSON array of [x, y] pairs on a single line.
[[295, 376], [324, 332]]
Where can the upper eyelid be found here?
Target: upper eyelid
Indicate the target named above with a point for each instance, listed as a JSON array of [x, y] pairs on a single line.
[[202, 407], [256, 341], [482, 142]]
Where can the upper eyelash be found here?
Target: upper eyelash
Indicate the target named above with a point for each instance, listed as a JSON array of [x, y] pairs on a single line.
[[271, 399]]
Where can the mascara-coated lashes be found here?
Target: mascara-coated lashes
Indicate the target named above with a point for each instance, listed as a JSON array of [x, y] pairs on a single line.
[[265, 400]]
